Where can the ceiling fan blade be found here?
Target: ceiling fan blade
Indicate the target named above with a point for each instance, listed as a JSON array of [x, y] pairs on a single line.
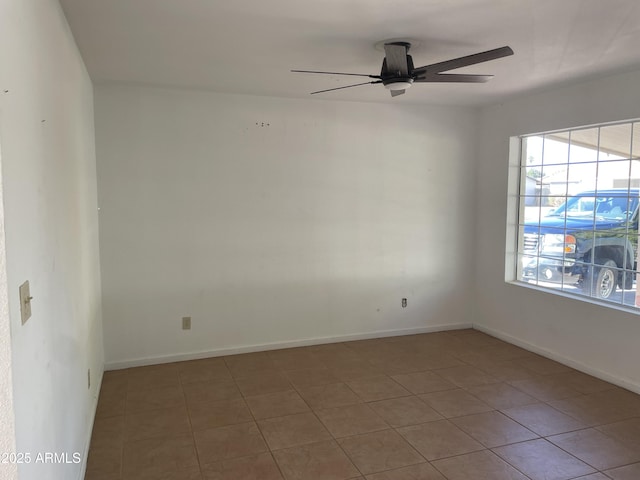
[[337, 73], [395, 93], [396, 55], [347, 86], [453, 77], [464, 61]]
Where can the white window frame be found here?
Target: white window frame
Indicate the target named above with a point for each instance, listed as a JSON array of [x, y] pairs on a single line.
[[514, 250]]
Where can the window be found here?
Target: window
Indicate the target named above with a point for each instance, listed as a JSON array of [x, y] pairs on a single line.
[[578, 202]]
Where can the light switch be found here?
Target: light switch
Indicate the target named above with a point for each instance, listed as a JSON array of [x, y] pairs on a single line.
[[25, 302]]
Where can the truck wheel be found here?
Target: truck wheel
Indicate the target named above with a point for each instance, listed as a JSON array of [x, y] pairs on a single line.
[[628, 280], [603, 278]]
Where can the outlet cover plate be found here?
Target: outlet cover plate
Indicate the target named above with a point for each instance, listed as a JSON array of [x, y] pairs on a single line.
[[25, 302], [186, 323]]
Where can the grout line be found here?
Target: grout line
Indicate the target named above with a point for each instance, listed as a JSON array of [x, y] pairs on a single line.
[[255, 421], [193, 434], [366, 358]]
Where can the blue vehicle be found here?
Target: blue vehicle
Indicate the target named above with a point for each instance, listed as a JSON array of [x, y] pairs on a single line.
[[590, 241]]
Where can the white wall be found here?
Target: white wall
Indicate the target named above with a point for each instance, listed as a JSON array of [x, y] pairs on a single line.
[[7, 419], [276, 220], [48, 171], [597, 339]]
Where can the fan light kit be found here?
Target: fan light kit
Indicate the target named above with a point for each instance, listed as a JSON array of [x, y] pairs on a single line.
[[401, 84], [398, 73]]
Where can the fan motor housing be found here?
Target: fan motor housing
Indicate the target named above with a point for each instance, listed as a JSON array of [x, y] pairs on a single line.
[[385, 73]]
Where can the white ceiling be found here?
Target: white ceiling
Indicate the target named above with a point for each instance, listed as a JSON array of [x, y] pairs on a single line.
[[250, 46]]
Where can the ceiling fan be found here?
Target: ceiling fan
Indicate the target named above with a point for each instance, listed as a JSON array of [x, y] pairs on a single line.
[[398, 73]]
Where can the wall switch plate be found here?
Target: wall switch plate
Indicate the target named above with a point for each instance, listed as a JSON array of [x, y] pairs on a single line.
[[186, 323], [25, 302]]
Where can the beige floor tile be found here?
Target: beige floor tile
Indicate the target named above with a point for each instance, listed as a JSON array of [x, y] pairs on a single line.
[[466, 376], [440, 360], [156, 423], [159, 455], [182, 474], [493, 429], [214, 391], [258, 467], [545, 388], [626, 404], [390, 365], [318, 461], [595, 409], [205, 370], [104, 462], [311, 377], [348, 371], [422, 471], [505, 352], [455, 403], [404, 411], [147, 417], [583, 383], [379, 451], [331, 350], [480, 339], [249, 364], [543, 366], [439, 439], [478, 465], [507, 371], [394, 364], [543, 419], [595, 476], [113, 391], [108, 432], [293, 430], [154, 399], [276, 404], [368, 346], [329, 396], [262, 383], [596, 449], [541, 460], [154, 376], [460, 332], [295, 359], [351, 420], [232, 441], [377, 388], [340, 359], [626, 432], [423, 382], [111, 402], [115, 378], [217, 414], [628, 472], [501, 395]]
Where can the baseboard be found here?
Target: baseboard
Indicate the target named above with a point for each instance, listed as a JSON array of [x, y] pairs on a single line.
[[87, 442], [620, 382], [139, 362]]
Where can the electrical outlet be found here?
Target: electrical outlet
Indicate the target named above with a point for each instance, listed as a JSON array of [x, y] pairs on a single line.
[[404, 302], [186, 323]]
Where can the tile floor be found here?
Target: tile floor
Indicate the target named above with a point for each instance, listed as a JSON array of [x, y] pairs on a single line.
[[451, 405]]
